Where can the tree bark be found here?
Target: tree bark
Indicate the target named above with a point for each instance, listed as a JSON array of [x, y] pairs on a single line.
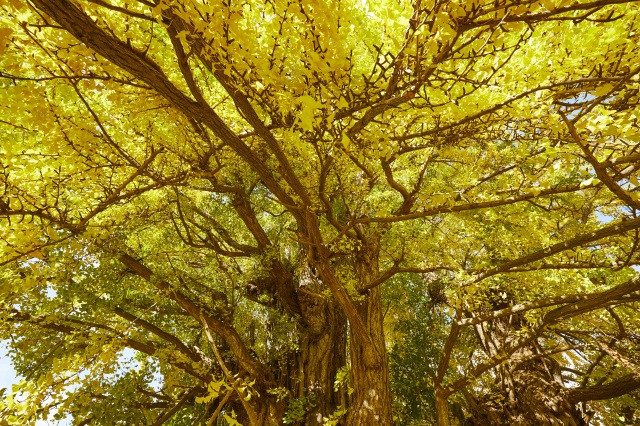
[[322, 350], [615, 388], [370, 402], [529, 388], [442, 407], [322, 353], [537, 399]]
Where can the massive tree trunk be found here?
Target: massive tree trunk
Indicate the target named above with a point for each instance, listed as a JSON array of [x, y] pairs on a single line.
[[308, 374], [370, 402], [442, 407], [529, 388], [322, 353], [322, 350], [536, 398]]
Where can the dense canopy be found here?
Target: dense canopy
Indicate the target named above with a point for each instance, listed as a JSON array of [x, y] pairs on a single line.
[[320, 212]]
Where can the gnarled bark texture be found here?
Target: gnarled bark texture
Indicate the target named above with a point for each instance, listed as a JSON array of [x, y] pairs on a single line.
[[322, 351], [370, 402]]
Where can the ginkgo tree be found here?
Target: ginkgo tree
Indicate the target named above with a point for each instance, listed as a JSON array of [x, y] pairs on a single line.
[[234, 210]]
